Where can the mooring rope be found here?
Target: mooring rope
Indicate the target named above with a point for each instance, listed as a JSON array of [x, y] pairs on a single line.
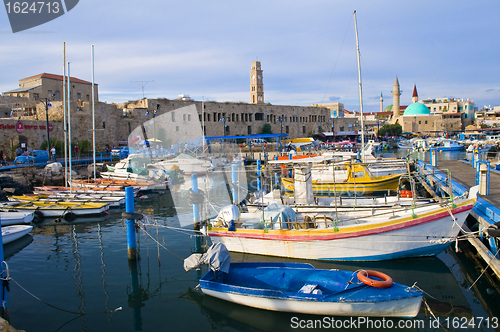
[[9, 278]]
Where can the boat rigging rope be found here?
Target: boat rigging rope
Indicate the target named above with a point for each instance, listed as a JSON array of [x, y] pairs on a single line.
[[9, 278], [158, 243]]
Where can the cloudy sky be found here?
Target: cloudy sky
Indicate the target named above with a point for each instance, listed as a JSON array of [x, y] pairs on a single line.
[[307, 49]]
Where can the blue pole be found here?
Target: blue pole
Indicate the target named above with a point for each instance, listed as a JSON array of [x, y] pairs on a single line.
[[3, 289], [196, 207], [130, 208], [196, 215], [259, 182], [234, 181]]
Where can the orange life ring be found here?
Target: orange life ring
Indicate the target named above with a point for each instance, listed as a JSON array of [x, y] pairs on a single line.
[[364, 276], [406, 193]]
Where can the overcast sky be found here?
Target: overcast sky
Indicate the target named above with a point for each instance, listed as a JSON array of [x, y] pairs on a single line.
[[307, 49]]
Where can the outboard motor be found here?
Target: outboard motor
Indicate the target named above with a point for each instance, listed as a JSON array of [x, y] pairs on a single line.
[[229, 213]]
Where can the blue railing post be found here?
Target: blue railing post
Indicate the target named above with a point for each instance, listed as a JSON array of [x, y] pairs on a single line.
[[130, 208]]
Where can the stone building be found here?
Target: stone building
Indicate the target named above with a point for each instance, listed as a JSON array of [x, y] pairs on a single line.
[[418, 117], [51, 86]]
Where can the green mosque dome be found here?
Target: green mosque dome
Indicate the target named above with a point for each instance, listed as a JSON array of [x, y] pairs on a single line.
[[388, 108], [417, 109]]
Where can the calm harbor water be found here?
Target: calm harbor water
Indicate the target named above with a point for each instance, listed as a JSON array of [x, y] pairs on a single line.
[[83, 272]]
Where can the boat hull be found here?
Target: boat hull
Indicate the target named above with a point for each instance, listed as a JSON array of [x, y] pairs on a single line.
[[411, 236], [349, 188], [288, 287], [397, 308], [8, 218], [14, 232]]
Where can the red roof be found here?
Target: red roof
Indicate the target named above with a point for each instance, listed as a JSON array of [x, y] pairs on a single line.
[[415, 94], [59, 78]]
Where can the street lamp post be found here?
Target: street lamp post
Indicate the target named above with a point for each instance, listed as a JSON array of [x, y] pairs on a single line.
[[47, 105]]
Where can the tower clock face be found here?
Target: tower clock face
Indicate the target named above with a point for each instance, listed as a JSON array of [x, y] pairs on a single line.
[[253, 77], [258, 77]]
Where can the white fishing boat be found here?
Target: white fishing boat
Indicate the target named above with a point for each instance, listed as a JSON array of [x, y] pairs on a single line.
[[13, 217], [14, 232], [189, 164]]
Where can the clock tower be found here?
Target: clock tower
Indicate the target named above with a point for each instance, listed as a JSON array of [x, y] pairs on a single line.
[[256, 85]]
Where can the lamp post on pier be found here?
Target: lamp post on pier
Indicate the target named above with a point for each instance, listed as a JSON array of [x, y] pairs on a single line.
[[46, 102]]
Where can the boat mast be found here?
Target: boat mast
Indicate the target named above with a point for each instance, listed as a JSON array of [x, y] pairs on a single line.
[[93, 114], [65, 121], [69, 129], [360, 90]]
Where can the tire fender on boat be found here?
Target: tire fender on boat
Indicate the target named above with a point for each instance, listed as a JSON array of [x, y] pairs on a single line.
[[364, 277]]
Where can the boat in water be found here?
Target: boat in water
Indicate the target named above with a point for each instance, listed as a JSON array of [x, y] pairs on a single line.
[[67, 210], [312, 229], [300, 288], [9, 216], [14, 232], [357, 179]]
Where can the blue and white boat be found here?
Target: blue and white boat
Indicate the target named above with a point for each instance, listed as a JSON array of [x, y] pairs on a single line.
[[446, 144], [300, 288]]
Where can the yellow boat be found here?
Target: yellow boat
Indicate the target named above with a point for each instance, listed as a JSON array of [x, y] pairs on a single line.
[[65, 209], [359, 181]]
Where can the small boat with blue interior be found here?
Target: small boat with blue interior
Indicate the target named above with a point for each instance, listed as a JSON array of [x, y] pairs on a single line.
[[446, 144], [301, 288]]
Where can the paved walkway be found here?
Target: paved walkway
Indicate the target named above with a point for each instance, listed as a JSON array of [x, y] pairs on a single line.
[[464, 174]]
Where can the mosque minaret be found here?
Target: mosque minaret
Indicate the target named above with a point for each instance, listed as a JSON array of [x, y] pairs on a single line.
[[396, 94]]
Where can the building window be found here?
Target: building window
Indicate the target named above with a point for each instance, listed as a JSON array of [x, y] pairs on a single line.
[[259, 116], [227, 130], [104, 125], [420, 122], [250, 117], [189, 117], [237, 118], [183, 117], [79, 96], [249, 130], [208, 117], [303, 129], [287, 129], [173, 117], [88, 96], [425, 121]]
